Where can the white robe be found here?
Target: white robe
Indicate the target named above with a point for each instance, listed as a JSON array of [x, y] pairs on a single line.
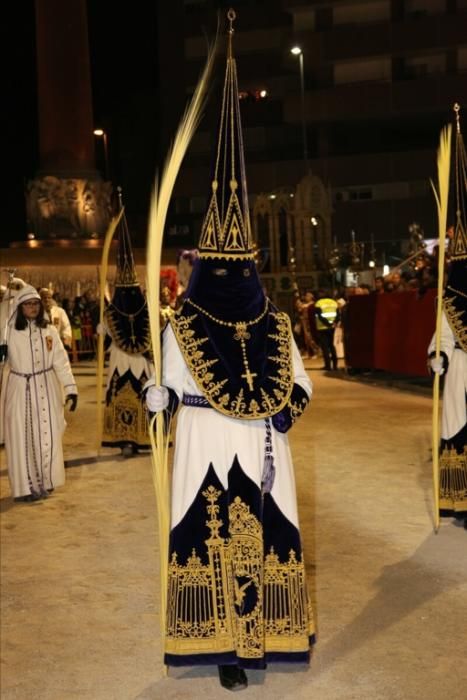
[[206, 436], [125, 418], [33, 410], [122, 362], [454, 413], [59, 318]]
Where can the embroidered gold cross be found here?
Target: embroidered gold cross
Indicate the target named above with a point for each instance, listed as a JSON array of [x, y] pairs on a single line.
[[249, 378]]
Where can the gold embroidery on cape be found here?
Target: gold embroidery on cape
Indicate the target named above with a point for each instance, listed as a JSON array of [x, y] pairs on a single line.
[[261, 406], [458, 325], [125, 417], [453, 480], [239, 601], [121, 341]]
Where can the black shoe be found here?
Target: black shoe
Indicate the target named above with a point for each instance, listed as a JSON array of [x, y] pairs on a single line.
[[232, 677], [127, 450], [30, 498]]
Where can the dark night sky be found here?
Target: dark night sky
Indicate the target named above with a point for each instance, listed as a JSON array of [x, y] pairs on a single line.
[[123, 50], [124, 78], [20, 114]]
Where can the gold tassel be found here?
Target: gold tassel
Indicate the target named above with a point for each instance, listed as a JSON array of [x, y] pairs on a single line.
[[441, 196], [159, 206]]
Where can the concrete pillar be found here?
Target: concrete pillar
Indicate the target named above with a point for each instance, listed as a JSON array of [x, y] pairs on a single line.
[[66, 140], [67, 198]]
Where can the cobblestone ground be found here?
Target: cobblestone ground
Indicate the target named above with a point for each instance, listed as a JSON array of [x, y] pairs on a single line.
[[79, 572]]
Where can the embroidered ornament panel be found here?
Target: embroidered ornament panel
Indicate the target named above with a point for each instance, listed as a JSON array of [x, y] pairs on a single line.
[[241, 600], [453, 480], [124, 415], [271, 394]]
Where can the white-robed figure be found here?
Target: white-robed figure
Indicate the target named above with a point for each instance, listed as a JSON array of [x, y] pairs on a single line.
[[453, 365], [130, 358], [57, 316], [237, 595], [39, 372]]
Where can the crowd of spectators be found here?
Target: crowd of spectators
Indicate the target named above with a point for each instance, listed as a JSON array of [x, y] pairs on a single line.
[[419, 278]]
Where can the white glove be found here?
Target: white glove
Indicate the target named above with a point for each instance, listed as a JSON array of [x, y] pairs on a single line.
[[437, 366], [101, 329], [157, 398]]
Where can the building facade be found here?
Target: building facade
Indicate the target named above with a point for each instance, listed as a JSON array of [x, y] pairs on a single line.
[[379, 81]]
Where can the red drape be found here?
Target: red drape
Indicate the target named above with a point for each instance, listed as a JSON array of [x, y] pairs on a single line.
[[390, 331]]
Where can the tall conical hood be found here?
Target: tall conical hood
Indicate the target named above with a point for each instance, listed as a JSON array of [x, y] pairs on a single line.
[[226, 231], [459, 243], [236, 344], [126, 270], [455, 293], [127, 313]]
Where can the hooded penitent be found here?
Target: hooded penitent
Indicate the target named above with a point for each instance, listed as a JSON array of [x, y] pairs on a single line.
[[453, 451], [127, 319], [242, 358], [127, 314], [234, 546]]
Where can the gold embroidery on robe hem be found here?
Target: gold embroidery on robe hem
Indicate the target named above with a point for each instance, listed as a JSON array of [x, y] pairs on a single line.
[[263, 404], [453, 480], [125, 417], [240, 601]]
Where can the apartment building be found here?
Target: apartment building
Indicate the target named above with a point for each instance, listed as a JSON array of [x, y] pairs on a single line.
[[360, 108]]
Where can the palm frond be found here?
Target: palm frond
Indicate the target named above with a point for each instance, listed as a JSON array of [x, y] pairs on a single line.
[[160, 201], [442, 200]]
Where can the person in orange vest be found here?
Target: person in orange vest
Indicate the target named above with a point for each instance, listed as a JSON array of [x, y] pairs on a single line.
[[326, 312]]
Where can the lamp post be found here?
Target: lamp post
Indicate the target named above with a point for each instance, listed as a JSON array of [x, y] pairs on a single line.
[[102, 134], [297, 51]]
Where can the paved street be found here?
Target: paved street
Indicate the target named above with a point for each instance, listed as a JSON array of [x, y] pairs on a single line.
[[79, 571]]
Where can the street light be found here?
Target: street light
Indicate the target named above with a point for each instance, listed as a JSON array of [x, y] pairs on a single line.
[[102, 134], [297, 51]]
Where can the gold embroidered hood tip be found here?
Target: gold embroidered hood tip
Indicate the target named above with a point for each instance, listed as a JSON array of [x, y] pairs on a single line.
[[458, 247], [126, 269], [226, 230]]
